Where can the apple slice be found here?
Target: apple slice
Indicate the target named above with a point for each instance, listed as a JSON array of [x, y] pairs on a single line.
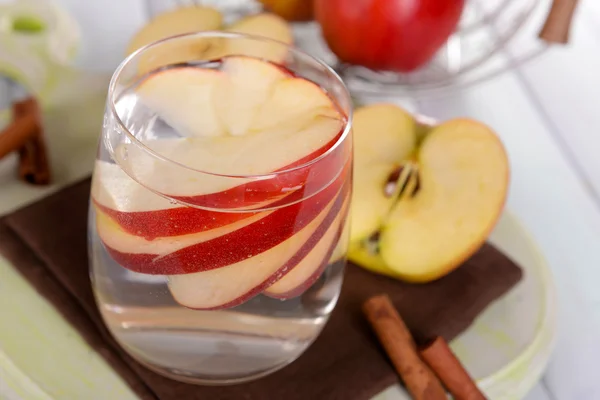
[[241, 96], [463, 173], [293, 100], [219, 251], [216, 160], [120, 241], [266, 25], [141, 212], [176, 22], [307, 271], [213, 164], [186, 91], [384, 136], [234, 284]]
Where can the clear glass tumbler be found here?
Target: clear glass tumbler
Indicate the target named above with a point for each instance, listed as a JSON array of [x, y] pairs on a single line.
[[218, 223]]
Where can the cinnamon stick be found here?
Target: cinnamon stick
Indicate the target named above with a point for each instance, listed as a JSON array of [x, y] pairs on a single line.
[[33, 162], [34, 167], [440, 358], [556, 29], [400, 347], [17, 133], [25, 135]]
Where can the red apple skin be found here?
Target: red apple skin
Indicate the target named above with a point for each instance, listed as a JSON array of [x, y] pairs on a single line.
[[238, 245], [306, 181], [390, 35], [281, 190], [304, 286], [294, 260], [171, 221]]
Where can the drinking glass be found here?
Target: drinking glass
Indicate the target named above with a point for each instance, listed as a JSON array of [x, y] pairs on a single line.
[[218, 225]]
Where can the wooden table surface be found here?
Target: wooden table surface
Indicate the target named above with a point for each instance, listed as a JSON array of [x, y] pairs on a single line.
[[547, 114]]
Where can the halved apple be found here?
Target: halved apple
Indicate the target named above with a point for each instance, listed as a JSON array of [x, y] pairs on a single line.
[[384, 136], [179, 21], [172, 23], [367, 256], [446, 209], [265, 25], [196, 19], [340, 252], [237, 282], [464, 174]]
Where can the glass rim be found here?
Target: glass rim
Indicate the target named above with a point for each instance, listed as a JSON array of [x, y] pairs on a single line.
[[347, 122]]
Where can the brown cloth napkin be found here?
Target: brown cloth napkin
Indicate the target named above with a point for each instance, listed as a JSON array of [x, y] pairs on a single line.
[[46, 241]]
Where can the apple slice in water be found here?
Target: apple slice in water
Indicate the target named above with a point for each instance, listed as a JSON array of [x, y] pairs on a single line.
[[239, 95], [236, 283], [141, 212], [248, 85], [214, 248], [189, 91], [293, 101], [307, 271], [120, 241]]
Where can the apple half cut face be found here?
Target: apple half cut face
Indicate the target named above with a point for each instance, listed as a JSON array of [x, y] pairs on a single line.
[[384, 137], [463, 181], [445, 208], [229, 119]]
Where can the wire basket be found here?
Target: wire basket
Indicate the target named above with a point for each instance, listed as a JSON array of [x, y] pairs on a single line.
[[494, 36]]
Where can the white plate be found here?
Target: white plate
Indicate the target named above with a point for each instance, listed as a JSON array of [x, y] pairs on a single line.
[[508, 346]]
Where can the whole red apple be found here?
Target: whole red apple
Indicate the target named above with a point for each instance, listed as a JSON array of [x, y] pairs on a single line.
[[392, 35]]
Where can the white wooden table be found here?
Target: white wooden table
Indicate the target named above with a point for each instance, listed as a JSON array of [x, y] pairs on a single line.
[[547, 113]]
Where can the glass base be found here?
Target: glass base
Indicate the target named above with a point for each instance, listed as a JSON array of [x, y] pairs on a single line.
[[201, 380], [211, 358]]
